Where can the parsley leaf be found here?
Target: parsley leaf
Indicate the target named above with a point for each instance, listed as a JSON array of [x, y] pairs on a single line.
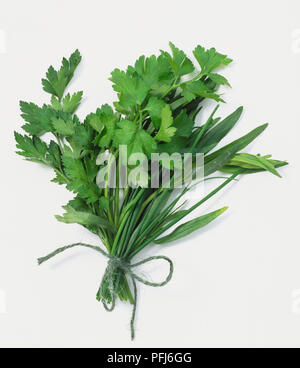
[[83, 135], [210, 59], [154, 107], [155, 72], [183, 124], [83, 218], [131, 89], [62, 126], [218, 79], [95, 122], [54, 155], [198, 88], [81, 180], [71, 104], [104, 123], [109, 120], [136, 139], [57, 81], [179, 62], [55, 104], [166, 131], [34, 149], [59, 178], [38, 118]]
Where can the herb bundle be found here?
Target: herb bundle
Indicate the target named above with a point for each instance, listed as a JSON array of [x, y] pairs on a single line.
[[159, 98]]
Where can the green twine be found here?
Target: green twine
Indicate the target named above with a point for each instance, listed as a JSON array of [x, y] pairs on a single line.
[[115, 264]]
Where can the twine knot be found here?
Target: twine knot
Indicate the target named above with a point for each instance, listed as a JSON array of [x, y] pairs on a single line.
[[114, 265]]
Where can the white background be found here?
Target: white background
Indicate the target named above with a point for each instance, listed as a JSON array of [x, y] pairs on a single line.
[[236, 284]]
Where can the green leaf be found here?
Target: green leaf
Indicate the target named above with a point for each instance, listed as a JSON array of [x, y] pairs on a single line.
[[200, 131], [104, 203], [231, 169], [81, 178], [210, 60], [174, 216], [166, 131], [71, 104], [78, 204], [91, 168], [184, 124], [56, 105], [74, 167], [131, 89], [253, 162], [33, 149], [83, 135], [145, 143], [198, 88], [191, 226], [84, 218], [95, 122], [89, 191], [176, 145], [180, 63], [38, 118], [218, 79], [109, 120], [136, 139], [155, 72], [63, 127], [219, 158], [57, 81], [104, 123], [264, 163], [54, 155], [216, 134], [192, 108], [59, 178], [154, 107]]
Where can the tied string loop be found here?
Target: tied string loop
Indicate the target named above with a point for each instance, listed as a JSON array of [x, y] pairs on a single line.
[[115, 264]]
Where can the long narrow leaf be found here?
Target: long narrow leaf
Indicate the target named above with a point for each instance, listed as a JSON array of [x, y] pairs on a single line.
[[218, 159], [256, 162], [191, 226], [216, 134], [231, 169]]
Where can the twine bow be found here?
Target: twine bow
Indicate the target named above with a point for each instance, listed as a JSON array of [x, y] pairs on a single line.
[[115, 264]]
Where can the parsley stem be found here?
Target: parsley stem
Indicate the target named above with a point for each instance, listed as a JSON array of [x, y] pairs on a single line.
[[59, 142], [177, 85]]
